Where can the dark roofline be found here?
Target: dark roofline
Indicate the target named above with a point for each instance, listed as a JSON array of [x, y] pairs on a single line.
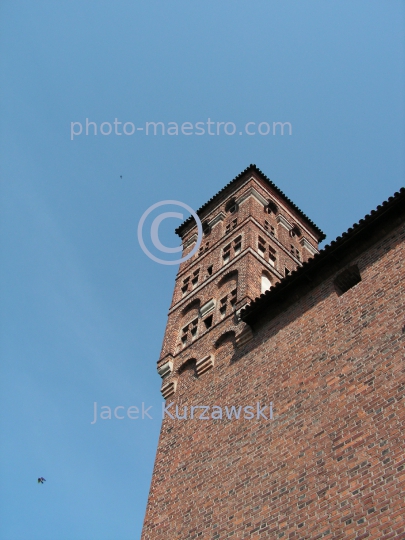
[[252, 168], [283, 291]]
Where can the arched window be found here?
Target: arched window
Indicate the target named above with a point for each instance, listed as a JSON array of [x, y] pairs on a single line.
[[231, 206], [265, 283], [295, 231], [271, 207]]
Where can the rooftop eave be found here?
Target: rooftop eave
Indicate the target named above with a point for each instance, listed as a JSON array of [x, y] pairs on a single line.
[[393, 207]]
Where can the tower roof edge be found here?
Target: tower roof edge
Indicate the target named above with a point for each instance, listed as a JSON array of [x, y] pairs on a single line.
[[228, 188]]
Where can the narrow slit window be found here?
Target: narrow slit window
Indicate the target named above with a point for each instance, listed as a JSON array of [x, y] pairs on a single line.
[[194, 326], [222, 309], [194, 281], [184, 288], [237, 244], [261, 246], [272, 256], [184, 335], [227, 253], [233, 297]]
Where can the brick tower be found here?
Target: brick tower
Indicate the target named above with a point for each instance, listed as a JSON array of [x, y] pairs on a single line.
[[261, 320], [253, 237]]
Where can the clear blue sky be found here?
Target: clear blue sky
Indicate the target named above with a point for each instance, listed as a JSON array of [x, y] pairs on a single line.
[[83, 310]]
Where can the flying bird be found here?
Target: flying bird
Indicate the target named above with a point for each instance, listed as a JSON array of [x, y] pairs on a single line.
[[41, 480], [121, 177]]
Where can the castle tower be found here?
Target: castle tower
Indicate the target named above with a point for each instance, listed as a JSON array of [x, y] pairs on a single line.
[[284, 411], [253, 237]]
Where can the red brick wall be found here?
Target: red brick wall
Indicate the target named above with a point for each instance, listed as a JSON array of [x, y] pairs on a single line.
[[251, 217], [331, 462]]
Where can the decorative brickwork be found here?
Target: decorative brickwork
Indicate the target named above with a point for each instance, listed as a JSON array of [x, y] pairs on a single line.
[[324, 345]]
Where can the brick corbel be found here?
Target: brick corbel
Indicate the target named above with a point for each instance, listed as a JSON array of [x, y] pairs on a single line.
[[165, 369], [169, 388], [204, 364]]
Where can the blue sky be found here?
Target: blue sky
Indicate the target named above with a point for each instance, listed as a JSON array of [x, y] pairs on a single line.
[[83, 310]]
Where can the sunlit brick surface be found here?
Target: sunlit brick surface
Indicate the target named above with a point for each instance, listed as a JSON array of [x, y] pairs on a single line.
[[331, 462]]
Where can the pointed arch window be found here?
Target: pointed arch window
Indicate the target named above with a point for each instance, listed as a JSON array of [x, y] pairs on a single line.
[[265, 282]]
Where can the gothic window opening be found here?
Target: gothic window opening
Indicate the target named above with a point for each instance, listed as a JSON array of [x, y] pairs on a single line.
[[184, 335], [208, 322], [295, 231], [261, 246], [233, 297], [271, 207], [265, 283], [272, 256], [230, 299], [237, 244], [204, 249], [226, 254], [269, 228], [222, 308], [194, 281], [231, 206], [209, 271], [189, 332], [184, 288], [231, 226], [193, 328], [295, 252]]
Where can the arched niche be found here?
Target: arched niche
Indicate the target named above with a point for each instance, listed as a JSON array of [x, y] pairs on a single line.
[[186, 375], [265, 282], [193, 305], [230, 276]]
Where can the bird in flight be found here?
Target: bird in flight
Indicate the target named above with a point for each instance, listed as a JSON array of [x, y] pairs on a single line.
[[121, 177], [41, 480]]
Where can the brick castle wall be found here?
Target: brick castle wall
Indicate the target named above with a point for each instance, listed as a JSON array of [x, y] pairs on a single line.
[[330, 464]]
